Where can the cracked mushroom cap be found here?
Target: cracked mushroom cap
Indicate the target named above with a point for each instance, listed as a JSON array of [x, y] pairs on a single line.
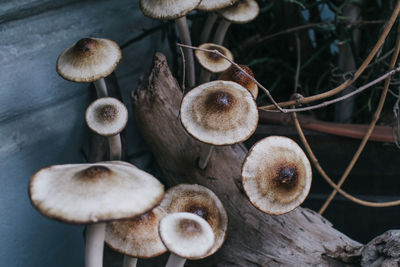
[[186, 235], [201, 201], [236, 75], [107, 116], [91, 193], [212, 61], [167, 9], [276, 175], [137, 237], [89, 60], [212, 5], [242, 11], [219, 113]]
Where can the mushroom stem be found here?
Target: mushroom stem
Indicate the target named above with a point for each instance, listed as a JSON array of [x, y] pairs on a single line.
[[175, 261], [184, 34], [114, 142], [205, 154], [221, 31], [95, 234], [205, 34], [205, 76], [101, 88], [129, 261]]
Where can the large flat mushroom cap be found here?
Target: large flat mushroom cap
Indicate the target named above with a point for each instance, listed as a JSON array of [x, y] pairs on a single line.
[[212, 5], [167, 9], [201, 201], [90, 193], [186, 234], [212, 61], [137, 237], [89, 60], [106, 116], [276, 175], [219, 113], [242, 12]]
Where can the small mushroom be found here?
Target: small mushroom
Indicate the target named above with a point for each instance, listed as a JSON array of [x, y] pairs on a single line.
[[137, 237], [276, 175], [234, 74], [90, 60], [107, 116], [212, 62], [94, 194], [241, 12], [218, 113], [187, 236]]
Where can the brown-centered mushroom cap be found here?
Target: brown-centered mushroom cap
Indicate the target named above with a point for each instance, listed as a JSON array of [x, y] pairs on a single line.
[[167, 9], [236, 75], [186, 235], [212, 5], [107, 116], [219, 113], [90, 193], [276, 175], [242, 11], [201, 201], [212, 61], [137, 237], [89, 60]]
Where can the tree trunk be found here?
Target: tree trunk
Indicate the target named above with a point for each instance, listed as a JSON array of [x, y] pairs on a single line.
[[299, 238]]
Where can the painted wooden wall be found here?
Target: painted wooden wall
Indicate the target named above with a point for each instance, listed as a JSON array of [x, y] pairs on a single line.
[[42, 115]]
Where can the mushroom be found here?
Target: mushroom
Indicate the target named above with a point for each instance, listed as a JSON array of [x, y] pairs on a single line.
[[276, 175], [137, 237], [90, 60], [241, 12], [93, 194], [234, 74], [187, 236], [218, 113], [212, 62], [175, 9], [107, 116], [201, 201]]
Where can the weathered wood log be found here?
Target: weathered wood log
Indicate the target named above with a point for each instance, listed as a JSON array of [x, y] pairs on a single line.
[[299, 238]]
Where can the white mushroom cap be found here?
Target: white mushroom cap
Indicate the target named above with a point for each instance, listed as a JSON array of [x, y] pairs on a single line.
[[276, 175], [242, 12], [219, 113], [90, 193], [107, 116], [89, 60], [236, 75], [167, 9], [201, 201], [137, 237], [211, 61], [212, 5], [186, 235]]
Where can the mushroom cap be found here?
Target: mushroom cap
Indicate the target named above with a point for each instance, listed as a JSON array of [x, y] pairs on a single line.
[[137, 237], [242, 11], [201, 201], [219, 113], [167, 9], [88, 60], [276, 175], [106, 116], [212, 5], [186, 234], [212, 61], [234, 74], [91, 193]]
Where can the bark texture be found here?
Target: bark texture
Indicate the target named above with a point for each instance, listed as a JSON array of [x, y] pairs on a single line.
[[299, 238]]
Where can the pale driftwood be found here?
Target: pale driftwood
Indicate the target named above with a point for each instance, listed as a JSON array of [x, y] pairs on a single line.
[[299, 238]]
